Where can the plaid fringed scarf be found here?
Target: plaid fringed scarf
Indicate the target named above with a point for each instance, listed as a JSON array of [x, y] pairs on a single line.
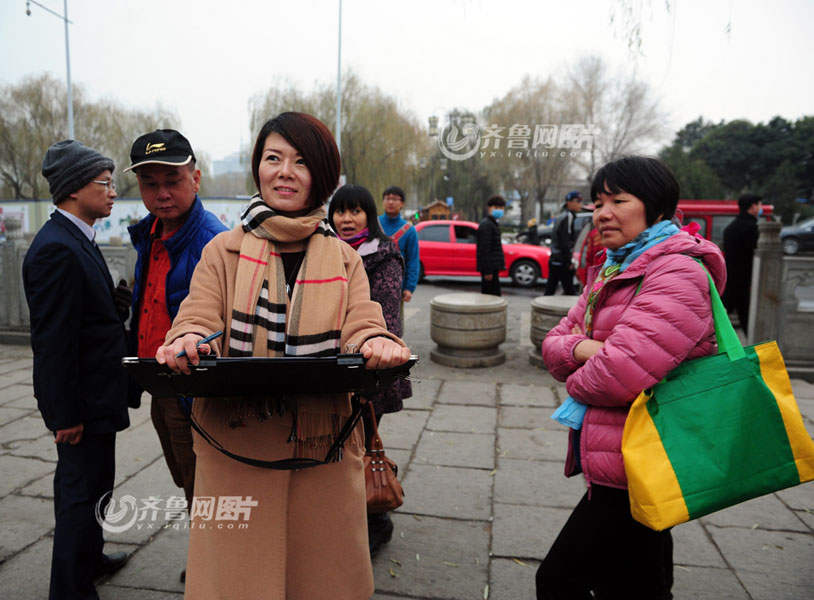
[[266, 323]]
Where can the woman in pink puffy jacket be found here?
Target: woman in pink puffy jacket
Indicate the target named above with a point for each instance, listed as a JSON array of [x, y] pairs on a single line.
[[644, 311]]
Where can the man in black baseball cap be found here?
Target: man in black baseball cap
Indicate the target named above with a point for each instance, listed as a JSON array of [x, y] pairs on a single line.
[[169, 242]]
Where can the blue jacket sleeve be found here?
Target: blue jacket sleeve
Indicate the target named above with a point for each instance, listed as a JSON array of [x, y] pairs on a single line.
[[411, 259]]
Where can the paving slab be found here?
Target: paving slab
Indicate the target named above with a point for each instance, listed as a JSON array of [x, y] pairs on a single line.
[[528, 395], [16, 472], [18, 395], [448, 492], [16, 578], [24, 363], [43, 487], [532, 444], [511, 580], [476, 450], [16, 376], [114, 592], [760, 557], [153, 482], [136, 449], [793, 586], [158, 565], [402, 429], [536, 483], [9, 414], [525, 417], [766, 512], [42, 448], [23, 521], [463, 419], [706, 583], [526, 532], [800, 497], [30, 427], [401, 458], [692, 546], [468, 392], [425, 392], [434, 558]]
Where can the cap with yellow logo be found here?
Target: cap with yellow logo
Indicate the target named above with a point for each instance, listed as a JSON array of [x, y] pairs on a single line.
[[161, 147]]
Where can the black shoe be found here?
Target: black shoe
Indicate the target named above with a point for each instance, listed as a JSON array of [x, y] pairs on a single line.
[[183, 576], [111, 563], [379, 531]]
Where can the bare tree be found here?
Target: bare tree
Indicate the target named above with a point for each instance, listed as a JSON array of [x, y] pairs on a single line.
[[381, 143], [533, 168], [32, 117], [622, 109]]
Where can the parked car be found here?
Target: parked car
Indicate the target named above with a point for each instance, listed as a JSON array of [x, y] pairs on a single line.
[[448, 248], [794, 238], [544, 231]]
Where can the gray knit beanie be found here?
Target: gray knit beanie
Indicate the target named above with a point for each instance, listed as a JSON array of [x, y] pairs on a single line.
[[70, 165]]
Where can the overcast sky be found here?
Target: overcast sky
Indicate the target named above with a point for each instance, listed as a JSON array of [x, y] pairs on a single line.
[[205, 59]]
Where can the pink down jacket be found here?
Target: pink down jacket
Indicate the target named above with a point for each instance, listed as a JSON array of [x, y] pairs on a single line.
[[646, 334]]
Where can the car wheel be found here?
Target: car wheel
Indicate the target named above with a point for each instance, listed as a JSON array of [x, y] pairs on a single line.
[[790, 245], [420, 272], [524, 273]]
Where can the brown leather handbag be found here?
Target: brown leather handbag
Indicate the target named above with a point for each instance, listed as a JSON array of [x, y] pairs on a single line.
[[384, 492]]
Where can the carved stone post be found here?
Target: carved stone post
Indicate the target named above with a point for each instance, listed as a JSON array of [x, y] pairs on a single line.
[[767, 278]]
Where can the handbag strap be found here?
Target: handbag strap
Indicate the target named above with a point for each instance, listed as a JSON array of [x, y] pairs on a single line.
[[290, 464], [728, 340]]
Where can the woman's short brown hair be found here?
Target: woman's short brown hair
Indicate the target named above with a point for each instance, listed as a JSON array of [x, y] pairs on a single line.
[[315, 143]]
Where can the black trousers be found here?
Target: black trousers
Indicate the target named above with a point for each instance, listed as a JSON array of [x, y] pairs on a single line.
[[558, 273], [603, 549], [84, 473], [491, 287]]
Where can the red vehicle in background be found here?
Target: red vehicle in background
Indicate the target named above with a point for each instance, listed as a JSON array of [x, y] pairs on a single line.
[[449, 248], [711, 216]]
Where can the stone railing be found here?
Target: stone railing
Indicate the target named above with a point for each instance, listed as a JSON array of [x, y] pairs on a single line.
[[14, 317], [782, 302]]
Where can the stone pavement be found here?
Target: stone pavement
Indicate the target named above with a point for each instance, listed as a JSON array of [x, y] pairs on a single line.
[[485, 496]]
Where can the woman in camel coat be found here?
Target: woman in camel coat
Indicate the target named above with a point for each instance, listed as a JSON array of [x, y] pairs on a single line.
[[281, 284]]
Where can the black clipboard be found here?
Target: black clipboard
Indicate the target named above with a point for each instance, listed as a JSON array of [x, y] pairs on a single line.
[[222, 377]]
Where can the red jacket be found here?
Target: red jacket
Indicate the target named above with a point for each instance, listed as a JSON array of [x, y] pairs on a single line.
[[646, 334]]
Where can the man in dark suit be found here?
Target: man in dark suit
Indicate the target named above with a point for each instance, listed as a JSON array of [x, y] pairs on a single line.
[[78, 339], [740, 241], [489, 251]]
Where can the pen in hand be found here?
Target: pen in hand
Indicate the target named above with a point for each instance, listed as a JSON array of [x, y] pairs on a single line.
[[205, 340]]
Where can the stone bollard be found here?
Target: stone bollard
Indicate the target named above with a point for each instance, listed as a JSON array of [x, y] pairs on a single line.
[[546, 313], [468, 328]]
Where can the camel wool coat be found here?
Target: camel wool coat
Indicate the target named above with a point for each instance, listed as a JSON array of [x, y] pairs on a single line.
[[306, 536]]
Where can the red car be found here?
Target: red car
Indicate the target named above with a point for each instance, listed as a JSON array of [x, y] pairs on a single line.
[[448, 248]]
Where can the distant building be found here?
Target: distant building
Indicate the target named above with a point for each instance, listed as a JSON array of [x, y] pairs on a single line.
[[229, 164]]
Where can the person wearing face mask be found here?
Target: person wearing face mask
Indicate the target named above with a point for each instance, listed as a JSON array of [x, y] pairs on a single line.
[[740, 241], [281, 284], [561, 261], [490, 260], [352, 214]]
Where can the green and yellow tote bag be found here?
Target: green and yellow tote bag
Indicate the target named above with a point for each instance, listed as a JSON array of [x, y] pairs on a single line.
[[716, 431]]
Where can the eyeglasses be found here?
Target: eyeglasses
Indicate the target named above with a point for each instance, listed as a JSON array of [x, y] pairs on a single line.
[[108, 183]]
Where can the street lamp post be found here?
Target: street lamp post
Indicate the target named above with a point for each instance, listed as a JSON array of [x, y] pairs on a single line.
[[64, 17]]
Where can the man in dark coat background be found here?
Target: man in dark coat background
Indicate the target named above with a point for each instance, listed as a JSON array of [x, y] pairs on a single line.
[[740, 241], [490, 260], [78, 339], [563, 237]]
